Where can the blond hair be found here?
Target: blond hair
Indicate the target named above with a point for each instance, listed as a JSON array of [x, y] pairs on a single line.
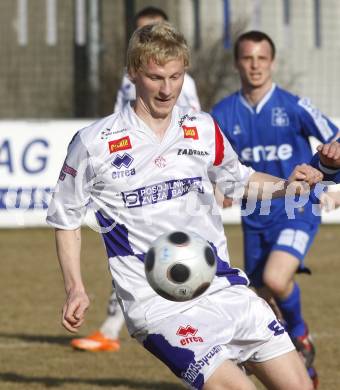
[[159, 42]]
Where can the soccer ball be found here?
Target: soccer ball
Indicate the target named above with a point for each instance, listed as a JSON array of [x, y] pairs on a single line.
[[180, 265]]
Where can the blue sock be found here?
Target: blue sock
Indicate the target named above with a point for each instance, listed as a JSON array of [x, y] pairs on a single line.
[[291, 312]]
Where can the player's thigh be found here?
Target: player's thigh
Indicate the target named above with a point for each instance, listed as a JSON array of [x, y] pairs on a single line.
[[285, 372], [228, 376]]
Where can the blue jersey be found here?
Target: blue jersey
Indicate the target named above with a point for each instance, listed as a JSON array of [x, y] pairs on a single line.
[[273, 137]]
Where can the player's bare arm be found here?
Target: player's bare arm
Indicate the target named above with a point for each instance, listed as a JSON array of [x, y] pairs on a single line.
[[264, 186], [68, 244]]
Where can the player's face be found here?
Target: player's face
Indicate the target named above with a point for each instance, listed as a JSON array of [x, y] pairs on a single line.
[[255, 64], [158, 87]]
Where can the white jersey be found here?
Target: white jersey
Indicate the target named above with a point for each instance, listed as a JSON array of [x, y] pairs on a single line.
[[187, 98], [140, 188]]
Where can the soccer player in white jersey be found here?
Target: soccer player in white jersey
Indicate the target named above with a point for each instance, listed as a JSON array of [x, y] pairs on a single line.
[[151, 169], [269, 129], [107, 337]]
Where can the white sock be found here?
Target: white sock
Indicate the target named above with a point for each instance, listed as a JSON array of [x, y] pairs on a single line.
[[113, 324]]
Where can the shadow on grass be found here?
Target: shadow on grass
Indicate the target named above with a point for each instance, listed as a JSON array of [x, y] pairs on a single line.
[[30, 338], [116, 382]]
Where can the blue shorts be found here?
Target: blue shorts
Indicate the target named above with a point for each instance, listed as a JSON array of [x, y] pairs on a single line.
[[294, 237]]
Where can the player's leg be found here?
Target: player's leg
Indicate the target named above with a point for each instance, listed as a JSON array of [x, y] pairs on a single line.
[[285, 372], [107, 338], [260, 249], [114, 321], [228, 376], [286, 258], [267, 295], [278, 277]]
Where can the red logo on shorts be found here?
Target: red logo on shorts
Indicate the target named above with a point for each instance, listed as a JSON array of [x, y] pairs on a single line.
[[189, 334], [190, 132], [120, 144], [188, 330]]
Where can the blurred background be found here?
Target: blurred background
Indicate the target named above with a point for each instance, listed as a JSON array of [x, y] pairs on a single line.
[[65, 58]]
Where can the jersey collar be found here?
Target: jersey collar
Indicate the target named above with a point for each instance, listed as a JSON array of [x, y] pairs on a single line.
[[137, 124], [257, 109]]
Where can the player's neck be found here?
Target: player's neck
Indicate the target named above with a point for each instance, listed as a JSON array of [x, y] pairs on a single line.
[[158, 124], [255, 95]]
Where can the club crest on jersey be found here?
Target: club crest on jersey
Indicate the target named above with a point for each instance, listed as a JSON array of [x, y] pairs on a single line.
[[160, 162], [120, 144], [190, 132], [189, 335], [279, 117]]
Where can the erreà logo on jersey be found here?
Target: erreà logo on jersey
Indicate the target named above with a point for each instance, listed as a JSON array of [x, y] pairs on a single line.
[[188, 335], [190, 132], [120, 144]]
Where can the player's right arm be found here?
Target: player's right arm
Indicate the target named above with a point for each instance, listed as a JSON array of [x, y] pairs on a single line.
[[66, 211], [68, 243]]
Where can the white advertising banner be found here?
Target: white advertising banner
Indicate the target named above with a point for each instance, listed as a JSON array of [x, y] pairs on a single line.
[[31, 156]]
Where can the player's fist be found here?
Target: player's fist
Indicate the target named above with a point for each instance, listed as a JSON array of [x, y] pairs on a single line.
[[330, 200], [302, 178], [74, 309], [227, 202], [305, 173], [330, 154]]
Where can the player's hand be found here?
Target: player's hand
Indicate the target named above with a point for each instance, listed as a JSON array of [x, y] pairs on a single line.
[[73, 313], [227, 202], [302, 178], [330, 154], [330, 200]]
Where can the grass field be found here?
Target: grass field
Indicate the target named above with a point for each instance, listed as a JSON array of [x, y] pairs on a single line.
[[34, 348]]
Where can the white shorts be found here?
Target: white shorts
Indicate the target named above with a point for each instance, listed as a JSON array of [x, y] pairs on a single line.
[[230, 324]]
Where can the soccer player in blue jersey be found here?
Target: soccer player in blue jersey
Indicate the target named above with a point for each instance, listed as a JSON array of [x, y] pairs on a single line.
[[269, 129]]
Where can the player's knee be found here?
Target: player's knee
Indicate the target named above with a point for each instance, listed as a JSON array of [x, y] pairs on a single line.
[[303, 384], [224, 386], [277, 286]]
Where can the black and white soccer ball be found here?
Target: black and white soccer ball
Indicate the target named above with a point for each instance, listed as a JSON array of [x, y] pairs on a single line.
[[180, 265]]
